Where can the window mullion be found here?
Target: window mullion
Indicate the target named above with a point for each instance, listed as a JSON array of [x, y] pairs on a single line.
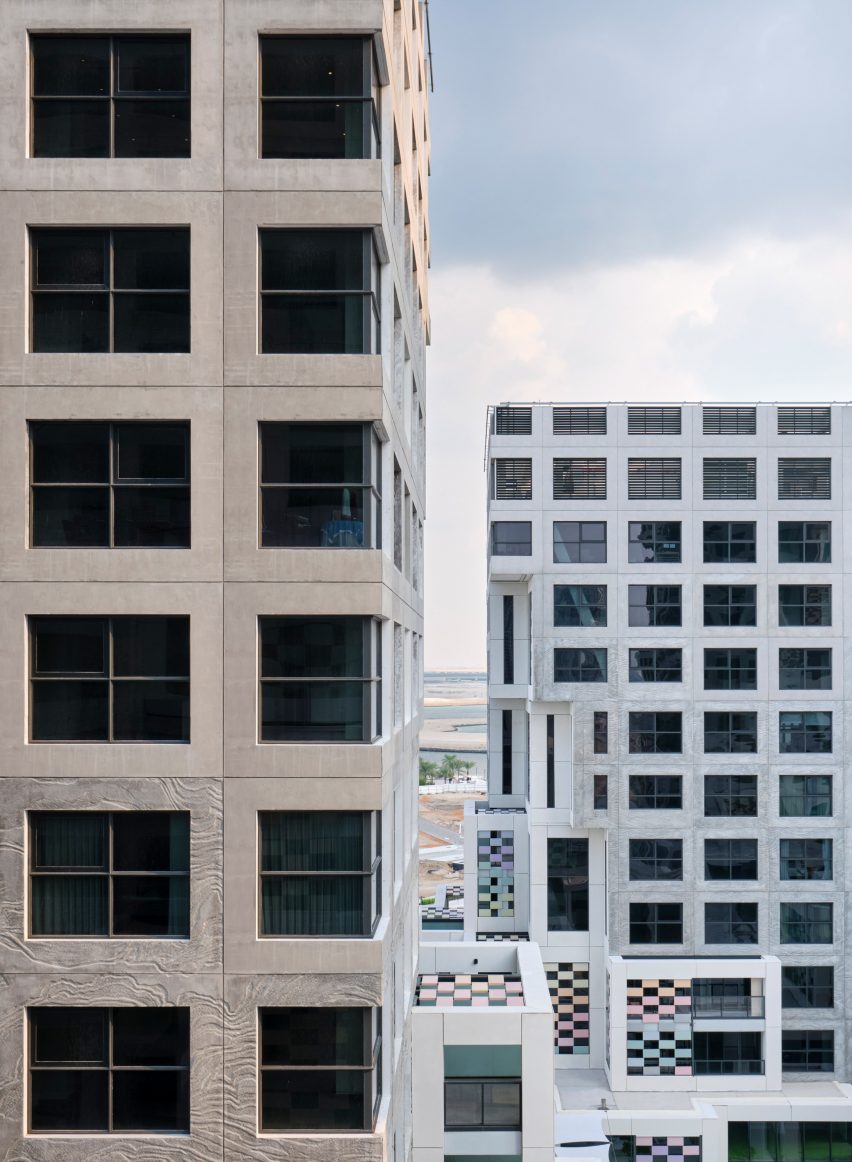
[[109, 1072], [111, 290], [110, 866], [113, 64], [110, 695]]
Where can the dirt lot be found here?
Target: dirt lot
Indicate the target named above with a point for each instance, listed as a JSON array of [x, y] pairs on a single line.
[[448, 810]]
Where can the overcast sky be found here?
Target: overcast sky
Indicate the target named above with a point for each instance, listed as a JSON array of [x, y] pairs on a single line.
[[630, 199]]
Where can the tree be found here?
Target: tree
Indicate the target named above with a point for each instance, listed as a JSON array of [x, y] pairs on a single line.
[[428, 772], [451, 766]]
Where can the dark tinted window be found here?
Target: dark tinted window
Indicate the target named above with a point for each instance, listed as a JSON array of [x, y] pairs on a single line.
[[110, 96]]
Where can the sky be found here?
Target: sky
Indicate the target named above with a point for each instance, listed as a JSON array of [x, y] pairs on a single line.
[[630, 200]]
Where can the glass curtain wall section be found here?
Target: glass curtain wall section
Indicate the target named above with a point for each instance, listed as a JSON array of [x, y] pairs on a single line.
[[319, 292], [98, 290], [318, 97], [102, 485], [122, 874], [320, 486], [320, 873], [110, 96], [319, 679]]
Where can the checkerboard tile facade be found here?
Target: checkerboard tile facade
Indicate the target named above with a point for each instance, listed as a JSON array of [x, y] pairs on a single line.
[[569, 992], [659, 1028], [495, 859], [668, 1149]]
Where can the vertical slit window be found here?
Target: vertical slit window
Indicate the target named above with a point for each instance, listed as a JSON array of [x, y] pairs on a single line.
[[551, 760], [506, 751], [508, 640]]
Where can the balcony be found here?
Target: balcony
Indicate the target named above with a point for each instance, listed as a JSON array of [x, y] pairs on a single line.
[[728, 1008], [718, 1066]]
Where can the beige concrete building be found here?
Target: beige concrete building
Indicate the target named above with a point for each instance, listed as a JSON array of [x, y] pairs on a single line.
[[212, 327]]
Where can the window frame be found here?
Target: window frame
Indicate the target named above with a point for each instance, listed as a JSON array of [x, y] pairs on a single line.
[[567, 883], [369, 98], [792, 598], [586, 664], [805, 667], [726, 854], [106, 676], [654, 478], [731, 794], [656, 541], [580, 477], [799, 858], [655, 732], [735, 601], [585, 599], [371, 1064], [371, 681], [731, 731], [815, 1058], [804, 796], [810, 731], [114, 481], [808, 986], [108, 1067], [634, 794], [483, 1124], [370, 291], [661, 858], [661, 612], [114, 95], [728, 557], [370, 875], [804, 478], [729, 478], [581, 540], [730, 668], [806, 922], [732, 907], [815, 549], [369, 486], [659, 663], [108, 289], [107, 872], [496, 546], [654, 922]]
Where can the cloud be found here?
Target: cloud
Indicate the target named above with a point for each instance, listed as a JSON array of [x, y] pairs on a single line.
[[588, 132], [763, 318]]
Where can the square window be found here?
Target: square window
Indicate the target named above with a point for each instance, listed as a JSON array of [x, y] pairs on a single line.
[[730, 542], [656, 923], [100, 290], [320, 486], [654, 605], [730, 795], [319, 292], [730, 923], [110, 96], [579, 605], [655, 792], [656, 859], [730, 605], [579, 542], [576, 665], [804, 669], [653, 542], [109, 679], [806, 605], [655, 665], [805, 731], [730, 732], [805, 795], [319, 873], [108, 1070], [318, 97], [730, 669], [804, 542], [655, 732]]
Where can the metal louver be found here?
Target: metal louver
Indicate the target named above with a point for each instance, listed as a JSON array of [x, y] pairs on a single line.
[[804, 421], [512, 421], [654, 478], [579, 479], [729, 421], [512, 480], [730, 479], [657, 421], [579, 421], [801, 479]]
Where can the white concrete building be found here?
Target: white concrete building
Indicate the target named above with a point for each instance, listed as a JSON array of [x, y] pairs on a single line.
[[667, 815], [212, 329]]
